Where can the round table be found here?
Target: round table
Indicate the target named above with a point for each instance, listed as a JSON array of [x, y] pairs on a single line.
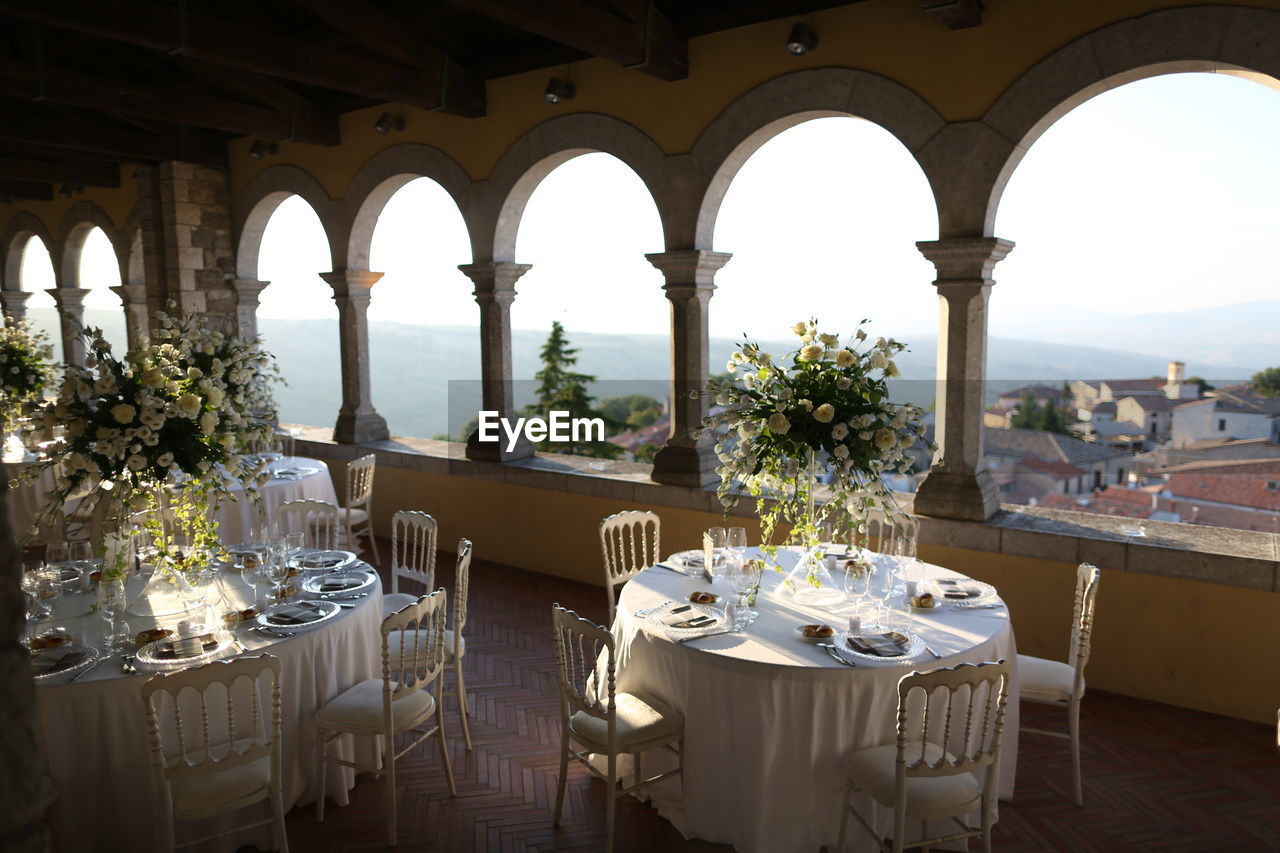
[[94, 736], [238, 516], [770, 716]]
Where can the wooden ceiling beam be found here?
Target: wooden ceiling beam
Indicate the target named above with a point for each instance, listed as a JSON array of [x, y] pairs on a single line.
[[26, 125], [87, 172], [204, 37], [651, 44], [25, 191], [462, 91], [309, 120], [28, 82]]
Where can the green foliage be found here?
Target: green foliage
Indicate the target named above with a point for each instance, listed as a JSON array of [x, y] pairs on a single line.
[[646, 452], [1267, 382], [562, 389], [1049, 418], [634, 410], [1205, 387]]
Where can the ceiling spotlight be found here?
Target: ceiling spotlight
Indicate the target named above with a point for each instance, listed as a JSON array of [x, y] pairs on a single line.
[[262, 148], [388, 122], [559, 90], [802, 40]]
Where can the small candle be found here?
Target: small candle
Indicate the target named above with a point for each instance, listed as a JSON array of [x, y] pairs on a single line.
[[831, 563], [855, 624], [912, 588]]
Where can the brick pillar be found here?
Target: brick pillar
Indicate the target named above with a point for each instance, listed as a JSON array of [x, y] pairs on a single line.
[[358, 422], [958, 485], [690, 281], [14, 303], [70, 305], [495, 290], [137, 319]]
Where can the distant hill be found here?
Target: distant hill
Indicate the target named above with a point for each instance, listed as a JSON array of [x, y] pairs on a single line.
[[412, 365]]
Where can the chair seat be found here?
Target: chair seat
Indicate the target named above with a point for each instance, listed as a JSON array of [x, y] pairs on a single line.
[[1041, 680], [873, 770], [357, 515], [221, 790], [640, 719], [359, 710], [393, 601]]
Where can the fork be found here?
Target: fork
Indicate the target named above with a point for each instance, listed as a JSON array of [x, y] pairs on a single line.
[[126, 664], [830, 649]]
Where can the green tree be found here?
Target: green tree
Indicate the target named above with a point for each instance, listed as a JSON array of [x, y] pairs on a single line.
[[562, 389], [635, 410], [1053, 419], [646, 452], [1047, 417], [1267, 382], [1027, 415], [1205, 387]]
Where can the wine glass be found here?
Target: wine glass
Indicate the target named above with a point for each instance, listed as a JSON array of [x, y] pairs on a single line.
[[713, 544], [737, 543], [294, 544], [904, 547], [55, 553], [883, 582], [857, 584], [36, 607], [111, 603], [278, 571]]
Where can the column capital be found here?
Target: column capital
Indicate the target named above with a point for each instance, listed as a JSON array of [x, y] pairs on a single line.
[[14, 303], [689, 267], [248, 287], [131, 294], [68, 298], [494, 279], [965, 260], [349, 284]]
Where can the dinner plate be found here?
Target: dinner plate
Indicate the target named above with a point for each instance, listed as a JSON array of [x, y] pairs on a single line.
[[713, 619], [238, 553], [913, 646], [186, 651], [694, 560], [987, 594], [294, 472], [321, 561], [62, 660], [339, 584], [296, 615], [800, 632]]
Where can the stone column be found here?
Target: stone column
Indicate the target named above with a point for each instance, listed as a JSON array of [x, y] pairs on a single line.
[[70, 305], [690, 281], [357, 420], [958, 485], [137, 319], [495, 283], [247, 292], [14, 303]]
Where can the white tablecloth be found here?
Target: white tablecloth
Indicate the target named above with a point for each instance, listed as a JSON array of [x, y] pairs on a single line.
[[95, 738], [769, 716], [25, 502], [237, 517]]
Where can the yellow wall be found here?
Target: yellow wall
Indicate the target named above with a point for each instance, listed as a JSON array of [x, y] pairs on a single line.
[[116, 203], [1197, 645]]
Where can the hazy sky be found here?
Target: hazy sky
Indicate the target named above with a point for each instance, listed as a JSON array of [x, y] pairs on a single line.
[[1158, 195]]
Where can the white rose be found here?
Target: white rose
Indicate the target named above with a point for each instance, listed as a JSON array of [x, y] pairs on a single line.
[[164, 460], [800, 328], [189, 405], [839, 431], [747, 430], [861, 335], [153, 377], [864, 435], [824, 413], [892, 370], [778, 424], [906, 440], [841, 452], [784, 393], [136, 463], [886, 439], [878, 361], [123, 413], [193, 373], [208, 421], [829, 340], [812, 352], [844, 383], [844, 358]]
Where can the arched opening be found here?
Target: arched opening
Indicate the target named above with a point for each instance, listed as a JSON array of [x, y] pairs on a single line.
[[297, 317], [1144, 220], [99, 272], [36, 276], [586, 229], [423, 320]]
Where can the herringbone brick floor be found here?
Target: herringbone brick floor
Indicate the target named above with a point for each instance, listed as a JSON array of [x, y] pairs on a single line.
[[1157, 778]]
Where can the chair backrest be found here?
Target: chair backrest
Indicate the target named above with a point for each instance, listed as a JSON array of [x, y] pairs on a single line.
[[892, 532], [461, 589], [316, 520], [413, 548], [212, 719], [360, 480], [631, 543], [1087, 576], [587, 682], [957, 708], [413, 647]]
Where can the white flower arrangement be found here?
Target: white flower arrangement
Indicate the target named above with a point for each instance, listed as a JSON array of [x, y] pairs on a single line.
[[822, 408], [26, 369]]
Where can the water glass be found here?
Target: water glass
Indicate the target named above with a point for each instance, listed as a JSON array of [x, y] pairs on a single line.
[[55, 553], [883, 582], [111, 604], [31, 589], [294, 544], [714, 542], [739, 612], [857, 584]]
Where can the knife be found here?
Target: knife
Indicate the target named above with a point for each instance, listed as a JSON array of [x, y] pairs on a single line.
[[700, 636]]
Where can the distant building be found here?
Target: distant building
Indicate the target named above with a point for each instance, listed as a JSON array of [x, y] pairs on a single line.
[[1173, 386], [998, 417], [1225, 414], [1040, 394], [1007, 455], [1154, 415]]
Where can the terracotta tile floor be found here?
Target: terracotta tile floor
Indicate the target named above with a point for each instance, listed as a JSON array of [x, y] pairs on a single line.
[[1157, 777]]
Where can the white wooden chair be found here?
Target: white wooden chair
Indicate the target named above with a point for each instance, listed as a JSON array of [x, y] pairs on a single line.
[[601, 720], [358, 510], [216, 764], [318, 522], [631, 543], [399, 702], [948, 733], [455, 645], [413, 556], [1052, 682]]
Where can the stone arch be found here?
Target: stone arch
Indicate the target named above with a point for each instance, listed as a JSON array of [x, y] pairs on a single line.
[[258, 200], [133, 269], [779, 104], [382, 177], [79, 221], [1218, 39], [494, 217], [22, 227]]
